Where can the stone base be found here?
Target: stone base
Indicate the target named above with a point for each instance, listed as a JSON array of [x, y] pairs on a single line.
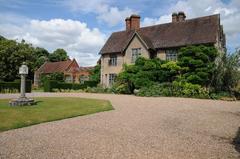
[[21, 102]]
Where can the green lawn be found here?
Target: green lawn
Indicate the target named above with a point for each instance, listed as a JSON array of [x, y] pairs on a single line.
[[48, 109]]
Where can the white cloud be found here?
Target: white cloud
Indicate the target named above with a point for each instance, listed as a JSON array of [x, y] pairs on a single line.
[[230, 15], [106, 13], [153, 21], [75, 37]]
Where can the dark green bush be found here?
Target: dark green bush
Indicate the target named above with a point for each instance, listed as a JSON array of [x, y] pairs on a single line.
[[179, 89], [9, 87], [163, 89], [90, 83], [50, 85], [13, 87]]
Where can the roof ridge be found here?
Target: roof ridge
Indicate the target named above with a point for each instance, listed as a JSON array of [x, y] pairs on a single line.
[[187, 20]]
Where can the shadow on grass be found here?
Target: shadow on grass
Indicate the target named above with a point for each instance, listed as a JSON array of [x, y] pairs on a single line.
[[36, 102], [236, 140]]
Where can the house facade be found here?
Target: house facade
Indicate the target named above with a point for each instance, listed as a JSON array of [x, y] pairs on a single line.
[[70, 69], [162, 41]]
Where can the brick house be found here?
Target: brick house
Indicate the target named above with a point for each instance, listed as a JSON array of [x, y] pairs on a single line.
[[162, 41], [70, 68]]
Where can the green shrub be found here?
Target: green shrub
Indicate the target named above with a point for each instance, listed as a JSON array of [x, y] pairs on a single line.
[[9, 87], [90, 83], [163, 89], [185, 89], [13, 87], [51, 85], [179, 89], [99, 90]]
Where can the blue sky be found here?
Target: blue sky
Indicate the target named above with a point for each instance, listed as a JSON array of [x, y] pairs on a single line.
[[82, 26]]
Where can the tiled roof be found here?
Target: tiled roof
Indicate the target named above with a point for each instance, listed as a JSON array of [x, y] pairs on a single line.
[[201, 30], [52, 67], [85, 68]]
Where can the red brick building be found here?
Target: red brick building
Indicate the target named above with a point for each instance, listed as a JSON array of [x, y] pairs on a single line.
[[70, 68]]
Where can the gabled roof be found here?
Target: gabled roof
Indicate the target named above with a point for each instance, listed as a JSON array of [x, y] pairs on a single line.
[[52, 67], [201, 30]]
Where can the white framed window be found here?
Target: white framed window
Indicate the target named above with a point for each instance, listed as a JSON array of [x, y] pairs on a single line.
[[171, 55], [112, 77], [68, 79], [83, 78], [136, 52], [113, 60]]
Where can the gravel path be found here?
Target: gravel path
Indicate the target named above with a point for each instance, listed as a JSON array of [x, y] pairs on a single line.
[[139, 127]]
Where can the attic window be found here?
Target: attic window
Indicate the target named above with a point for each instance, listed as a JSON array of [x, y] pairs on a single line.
[[136, 52], [171, 55]]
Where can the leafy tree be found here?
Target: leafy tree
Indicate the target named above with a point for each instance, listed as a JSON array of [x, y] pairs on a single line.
[[12, 55], [41, 56], [198, 64], [227, 73], [58, 55], [145, 73], [95, 73]]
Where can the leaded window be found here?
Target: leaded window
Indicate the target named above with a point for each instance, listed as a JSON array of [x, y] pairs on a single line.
[[171, 55], [113, 60], [112, 77], [136, 52]]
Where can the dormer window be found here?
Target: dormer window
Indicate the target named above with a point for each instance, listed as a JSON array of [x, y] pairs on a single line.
[[136, 52]]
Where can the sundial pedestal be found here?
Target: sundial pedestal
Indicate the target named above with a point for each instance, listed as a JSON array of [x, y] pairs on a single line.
[[22, 100]]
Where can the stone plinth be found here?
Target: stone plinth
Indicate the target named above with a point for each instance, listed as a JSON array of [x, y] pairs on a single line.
[[21, 102]]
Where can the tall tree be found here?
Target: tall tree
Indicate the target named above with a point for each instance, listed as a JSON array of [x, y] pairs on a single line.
[[95, 73], [41, 56], [12, 55], [58, 55]]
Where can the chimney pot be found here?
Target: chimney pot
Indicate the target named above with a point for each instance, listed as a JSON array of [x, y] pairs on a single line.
[[174, 17], [181, 16], [128, 23]]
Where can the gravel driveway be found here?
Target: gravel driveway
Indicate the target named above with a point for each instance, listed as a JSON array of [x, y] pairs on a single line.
[[139, 127]]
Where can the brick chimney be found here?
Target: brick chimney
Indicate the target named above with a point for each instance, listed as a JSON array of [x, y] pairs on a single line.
[[128, 23], [174, 17], [133, 23], [181, 16]]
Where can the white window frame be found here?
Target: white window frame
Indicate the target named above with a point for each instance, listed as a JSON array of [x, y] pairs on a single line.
[[113, 60], [111, 78], [136, 52], [171, 55]]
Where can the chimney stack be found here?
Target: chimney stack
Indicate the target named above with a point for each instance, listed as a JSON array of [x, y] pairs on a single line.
[[181, 16], [128, 23], [133, 23], [174, 17]]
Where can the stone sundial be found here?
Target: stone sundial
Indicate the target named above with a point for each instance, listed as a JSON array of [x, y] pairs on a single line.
[[22, 100]]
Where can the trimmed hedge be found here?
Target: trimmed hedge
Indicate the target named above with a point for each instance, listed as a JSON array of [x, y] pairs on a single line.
[[49, 85], [13, 87]]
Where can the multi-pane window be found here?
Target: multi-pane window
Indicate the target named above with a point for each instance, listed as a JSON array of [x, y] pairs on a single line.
[[83, 78], [113, 60], [171, 55], [135, 54], [112, 77]]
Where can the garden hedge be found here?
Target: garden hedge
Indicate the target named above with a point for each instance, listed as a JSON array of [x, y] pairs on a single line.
[[49, 85], [13, 87]]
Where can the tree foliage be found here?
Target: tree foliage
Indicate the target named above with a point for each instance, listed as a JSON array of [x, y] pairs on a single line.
[[13, 54], [198, 63], [95, 73], [199, 71], [58, 55], [227, 72]]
